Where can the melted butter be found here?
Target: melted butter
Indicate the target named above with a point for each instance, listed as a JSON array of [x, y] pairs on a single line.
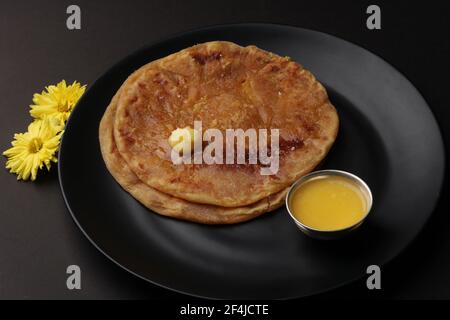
[[328, 203], [183, 138]]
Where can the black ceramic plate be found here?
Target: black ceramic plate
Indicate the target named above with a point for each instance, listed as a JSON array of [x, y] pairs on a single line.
[[388, 136]]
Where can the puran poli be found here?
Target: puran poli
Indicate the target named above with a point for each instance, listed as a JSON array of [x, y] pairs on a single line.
[[165, 204], [225, 86]]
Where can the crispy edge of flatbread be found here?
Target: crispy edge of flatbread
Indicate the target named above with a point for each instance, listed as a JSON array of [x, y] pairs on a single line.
[[163, 203]]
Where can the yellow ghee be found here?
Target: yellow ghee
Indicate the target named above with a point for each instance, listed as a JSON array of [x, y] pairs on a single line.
[[328, 203]]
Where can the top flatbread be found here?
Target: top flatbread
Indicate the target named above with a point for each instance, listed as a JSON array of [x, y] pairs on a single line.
[[224, 86], [165, 204]]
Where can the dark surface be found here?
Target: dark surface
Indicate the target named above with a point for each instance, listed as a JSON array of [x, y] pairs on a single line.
[[38, 237], [387, 134]]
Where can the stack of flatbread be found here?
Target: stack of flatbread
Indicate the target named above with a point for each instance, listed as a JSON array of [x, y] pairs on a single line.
[[225, 86]]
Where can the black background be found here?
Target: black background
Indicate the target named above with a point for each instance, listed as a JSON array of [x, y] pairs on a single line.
[[38, 238]]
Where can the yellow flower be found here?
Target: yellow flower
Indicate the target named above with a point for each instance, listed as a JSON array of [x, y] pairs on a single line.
[[32, 150], [56, 101]]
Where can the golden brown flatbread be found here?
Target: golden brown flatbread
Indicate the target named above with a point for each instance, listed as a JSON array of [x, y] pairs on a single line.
[[165, 204], [225, 86]]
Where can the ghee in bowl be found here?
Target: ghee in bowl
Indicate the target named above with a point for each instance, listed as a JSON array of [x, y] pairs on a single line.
[[328, 203]]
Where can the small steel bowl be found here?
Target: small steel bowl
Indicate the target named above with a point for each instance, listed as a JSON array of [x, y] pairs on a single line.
[[329, 234]]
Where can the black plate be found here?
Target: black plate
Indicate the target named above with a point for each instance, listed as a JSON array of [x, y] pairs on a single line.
[[388, 136]]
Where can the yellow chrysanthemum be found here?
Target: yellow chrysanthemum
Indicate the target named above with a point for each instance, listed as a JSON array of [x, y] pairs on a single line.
[[32, 150], [56, 101]]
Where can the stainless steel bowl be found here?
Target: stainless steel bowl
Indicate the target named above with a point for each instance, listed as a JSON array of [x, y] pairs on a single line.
[[332, 234]]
